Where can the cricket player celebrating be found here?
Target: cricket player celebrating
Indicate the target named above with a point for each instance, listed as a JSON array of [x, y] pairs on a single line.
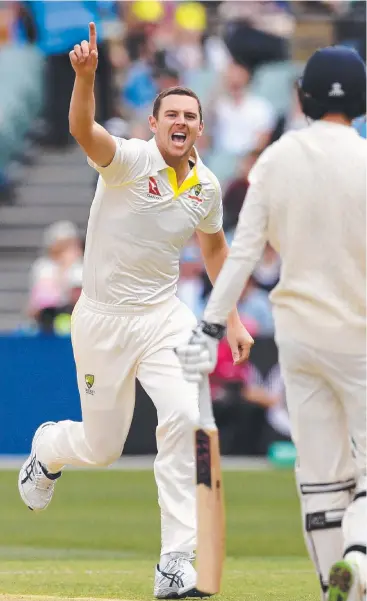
[[307, 196], [150, 199]]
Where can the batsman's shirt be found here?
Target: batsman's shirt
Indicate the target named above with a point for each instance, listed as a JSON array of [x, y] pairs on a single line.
[[307, 197], [140, 221]]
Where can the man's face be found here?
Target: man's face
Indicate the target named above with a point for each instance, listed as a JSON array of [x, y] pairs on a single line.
[[236, 78], [177, 126]]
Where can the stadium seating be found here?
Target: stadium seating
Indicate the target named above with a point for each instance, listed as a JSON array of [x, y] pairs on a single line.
[[21, 76]]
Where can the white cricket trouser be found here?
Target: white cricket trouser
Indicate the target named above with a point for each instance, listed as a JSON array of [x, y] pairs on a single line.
[[326, 397], [111, 349]]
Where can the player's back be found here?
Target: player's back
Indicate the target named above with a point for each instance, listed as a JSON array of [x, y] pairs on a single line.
[[317, 222]]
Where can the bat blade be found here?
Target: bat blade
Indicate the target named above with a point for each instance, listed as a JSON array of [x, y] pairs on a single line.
[[210, 511]]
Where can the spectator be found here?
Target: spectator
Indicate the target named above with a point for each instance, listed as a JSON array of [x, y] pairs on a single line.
[[140, 87], [254, 305], [74, 284], [142, 14], [235, 194], [190, 285], [8, 17], [248, 406], [187, 49], [58, 26], [293, 120], [350, 27], [7, 191], [266, 273], [321, 7], [166, 78], [49, 286], [225, 371], [257, 32], [242, 121]]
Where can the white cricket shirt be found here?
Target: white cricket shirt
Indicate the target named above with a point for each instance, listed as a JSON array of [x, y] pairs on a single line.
[[139, 222], [307, 197]]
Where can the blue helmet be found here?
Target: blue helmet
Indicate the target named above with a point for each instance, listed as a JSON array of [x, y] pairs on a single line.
[[334, 81]]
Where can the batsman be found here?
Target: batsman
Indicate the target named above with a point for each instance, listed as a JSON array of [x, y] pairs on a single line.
[[307, 197]]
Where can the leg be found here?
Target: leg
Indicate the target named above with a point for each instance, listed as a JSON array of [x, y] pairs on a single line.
[[349, 377], [106, 377], [107, 400], [176, 402], [325, 470]]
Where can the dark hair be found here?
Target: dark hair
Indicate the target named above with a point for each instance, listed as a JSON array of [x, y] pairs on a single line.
[[175, 91]]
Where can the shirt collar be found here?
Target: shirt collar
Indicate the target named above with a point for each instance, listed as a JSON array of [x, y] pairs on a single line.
[[158, 161], [159, 164], [332, 125]]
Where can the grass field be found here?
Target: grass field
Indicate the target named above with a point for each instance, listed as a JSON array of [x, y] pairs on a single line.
[[99, 539]]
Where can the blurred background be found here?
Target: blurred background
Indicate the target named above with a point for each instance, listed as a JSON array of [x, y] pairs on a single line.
[[243, 59]]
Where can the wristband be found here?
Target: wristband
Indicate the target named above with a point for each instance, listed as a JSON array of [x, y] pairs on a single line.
[[214, 330]]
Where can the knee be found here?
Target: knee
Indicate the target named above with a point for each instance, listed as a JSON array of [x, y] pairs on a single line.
[[175, 429], [103, 453], [325, 504], [182, 418]]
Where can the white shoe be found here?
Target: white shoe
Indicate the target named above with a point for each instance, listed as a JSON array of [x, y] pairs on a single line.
[[177, 580], [344, 582], [36, 485]]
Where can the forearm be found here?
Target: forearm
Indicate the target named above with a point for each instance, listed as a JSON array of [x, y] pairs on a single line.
[[82, 106], [227, 291], [245, 252]]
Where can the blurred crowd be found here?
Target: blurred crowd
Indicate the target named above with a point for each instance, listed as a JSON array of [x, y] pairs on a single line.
[[240, 57]]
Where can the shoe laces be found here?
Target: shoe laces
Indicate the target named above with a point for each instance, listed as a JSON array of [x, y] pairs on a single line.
[[179, 562], [41, 482]]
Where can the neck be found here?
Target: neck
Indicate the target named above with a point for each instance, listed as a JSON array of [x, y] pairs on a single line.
[[237, 95], [337, 118], [179, 164]]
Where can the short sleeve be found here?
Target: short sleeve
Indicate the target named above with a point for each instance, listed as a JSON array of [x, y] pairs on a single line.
[[213, 221], [130, 161]]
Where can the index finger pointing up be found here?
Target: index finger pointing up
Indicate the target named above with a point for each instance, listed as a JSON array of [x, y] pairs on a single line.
[[92, 36]]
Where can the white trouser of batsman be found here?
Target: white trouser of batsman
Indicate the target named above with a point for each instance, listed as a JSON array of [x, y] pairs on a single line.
[[326, 398], [111, 349]]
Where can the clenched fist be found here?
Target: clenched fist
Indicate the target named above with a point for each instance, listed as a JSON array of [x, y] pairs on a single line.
[[84, 57]]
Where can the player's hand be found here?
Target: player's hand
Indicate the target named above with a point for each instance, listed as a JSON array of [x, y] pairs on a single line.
[[198, 356], [84, 57], [240, 342]]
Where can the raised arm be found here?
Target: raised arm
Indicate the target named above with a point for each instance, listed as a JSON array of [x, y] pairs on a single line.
[[97, 143]]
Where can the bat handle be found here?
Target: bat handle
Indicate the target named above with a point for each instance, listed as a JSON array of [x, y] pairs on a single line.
[[206, 416]]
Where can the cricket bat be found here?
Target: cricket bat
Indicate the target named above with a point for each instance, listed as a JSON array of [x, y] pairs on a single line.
[[210, 550]]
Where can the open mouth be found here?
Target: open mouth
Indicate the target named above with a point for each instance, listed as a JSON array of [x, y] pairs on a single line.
[[178, 138]]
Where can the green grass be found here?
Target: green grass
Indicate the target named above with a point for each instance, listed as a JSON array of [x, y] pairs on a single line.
[[100, 539]]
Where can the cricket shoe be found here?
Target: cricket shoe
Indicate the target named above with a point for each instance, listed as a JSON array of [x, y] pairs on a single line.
[[36, 485], [344, 583], [177, 580]]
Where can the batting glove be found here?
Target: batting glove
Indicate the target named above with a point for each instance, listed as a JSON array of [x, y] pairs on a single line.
[[198, 357]]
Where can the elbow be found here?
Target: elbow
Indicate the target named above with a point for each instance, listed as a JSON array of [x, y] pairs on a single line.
[[79, 131], [73, 127]]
